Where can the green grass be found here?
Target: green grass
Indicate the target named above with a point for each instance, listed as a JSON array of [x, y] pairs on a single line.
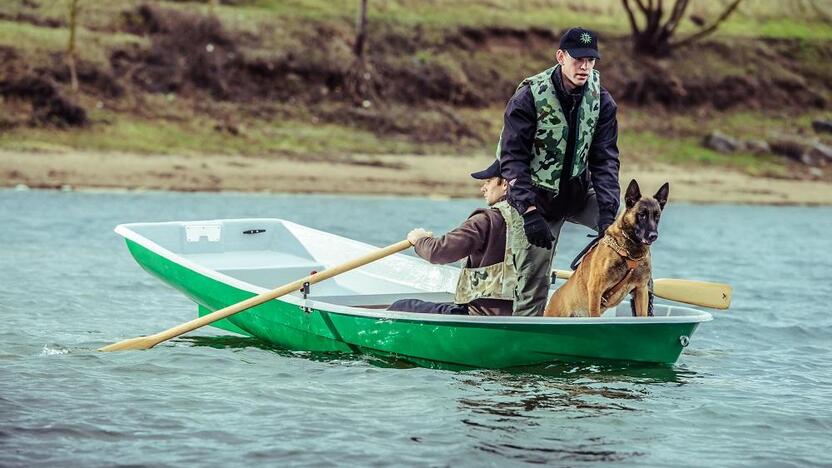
[[688, 151], [677, 138], [91, 46], [783, 28], [785, 19], [199, 136], [669, 137], [780, 19], [745, 124], [28, 37]]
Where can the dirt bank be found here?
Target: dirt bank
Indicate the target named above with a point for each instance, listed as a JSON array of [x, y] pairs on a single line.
[[440, 176], [418, 82]]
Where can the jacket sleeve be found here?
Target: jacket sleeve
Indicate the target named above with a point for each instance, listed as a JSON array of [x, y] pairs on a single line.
[[515, 152], [468, 238], [604, 163]]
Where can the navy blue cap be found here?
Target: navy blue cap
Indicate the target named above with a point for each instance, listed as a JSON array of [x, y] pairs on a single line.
[[580, 43], [492, 171]]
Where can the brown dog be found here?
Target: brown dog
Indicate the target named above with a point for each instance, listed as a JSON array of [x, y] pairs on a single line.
[[619, 264]]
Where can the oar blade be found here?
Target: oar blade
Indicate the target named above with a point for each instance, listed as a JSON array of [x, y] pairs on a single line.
[[701, 293], [142, 342]]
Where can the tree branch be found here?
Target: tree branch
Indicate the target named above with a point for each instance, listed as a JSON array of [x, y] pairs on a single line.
[[699, 35], [678, 13], [630, 16], [657, 16], [70, 48], [824, 15], [361, 30]]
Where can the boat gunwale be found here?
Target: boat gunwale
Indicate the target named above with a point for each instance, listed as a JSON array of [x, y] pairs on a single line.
[[124, 230]]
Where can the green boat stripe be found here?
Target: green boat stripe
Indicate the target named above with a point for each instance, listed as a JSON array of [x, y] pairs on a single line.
[[335, 332]]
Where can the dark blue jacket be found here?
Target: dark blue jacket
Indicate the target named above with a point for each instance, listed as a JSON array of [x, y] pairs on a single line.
[[520, 124]]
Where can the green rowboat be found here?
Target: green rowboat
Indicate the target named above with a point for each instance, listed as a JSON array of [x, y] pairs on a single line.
[[221, 262]]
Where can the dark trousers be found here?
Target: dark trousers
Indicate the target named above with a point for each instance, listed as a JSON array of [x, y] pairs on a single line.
[[424, 307], [534, 264]]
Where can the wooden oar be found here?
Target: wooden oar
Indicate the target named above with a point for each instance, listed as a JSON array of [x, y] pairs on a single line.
[[146, 342], [701, 293]]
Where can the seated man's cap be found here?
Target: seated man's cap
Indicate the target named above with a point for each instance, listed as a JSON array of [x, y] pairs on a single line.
[[492, 171], [580, 43]]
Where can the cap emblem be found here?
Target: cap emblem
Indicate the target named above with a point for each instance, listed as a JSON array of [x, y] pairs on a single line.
[[586, 38]]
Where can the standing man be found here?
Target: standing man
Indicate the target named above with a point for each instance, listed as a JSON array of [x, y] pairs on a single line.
[[559, 152], [488, 238]]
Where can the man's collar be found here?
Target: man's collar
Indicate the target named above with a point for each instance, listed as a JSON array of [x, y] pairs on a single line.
[[557, 78], [503, 198]]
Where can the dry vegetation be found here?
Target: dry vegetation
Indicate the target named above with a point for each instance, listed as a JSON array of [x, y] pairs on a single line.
[[262, 77]]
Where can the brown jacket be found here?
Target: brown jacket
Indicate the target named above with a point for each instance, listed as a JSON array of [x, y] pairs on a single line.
[[481, 238]]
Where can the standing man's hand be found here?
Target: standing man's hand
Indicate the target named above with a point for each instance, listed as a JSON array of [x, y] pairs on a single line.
[[605, 220], [417, 234], [537, 229]]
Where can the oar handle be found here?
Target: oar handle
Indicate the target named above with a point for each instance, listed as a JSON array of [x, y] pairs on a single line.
[[146, 342], [562, 274], [701, 293]]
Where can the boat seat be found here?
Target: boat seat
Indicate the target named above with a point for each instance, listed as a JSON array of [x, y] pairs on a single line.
[[269, 269], [374, 301], [260, 267], [253, 259]]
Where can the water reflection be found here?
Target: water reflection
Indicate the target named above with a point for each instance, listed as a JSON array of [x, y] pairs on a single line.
[[600, 371], [635, 372], [581, 452], [507, 409], [520, 395], [240, 342], [590, 389]]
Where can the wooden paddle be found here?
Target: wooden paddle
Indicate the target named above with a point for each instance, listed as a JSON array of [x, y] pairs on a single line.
[[701, 293], [146, 342]]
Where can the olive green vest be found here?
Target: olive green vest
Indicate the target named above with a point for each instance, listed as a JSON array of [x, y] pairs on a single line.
[[496, 281], [552, 133]]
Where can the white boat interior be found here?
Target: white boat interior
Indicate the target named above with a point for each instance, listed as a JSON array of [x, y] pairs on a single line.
[[261, 254]]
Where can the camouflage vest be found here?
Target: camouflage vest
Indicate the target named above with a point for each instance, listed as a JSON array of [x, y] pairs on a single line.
[[552, 134], [496, 281]]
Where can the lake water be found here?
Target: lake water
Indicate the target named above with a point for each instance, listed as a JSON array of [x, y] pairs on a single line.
[[754, 388]]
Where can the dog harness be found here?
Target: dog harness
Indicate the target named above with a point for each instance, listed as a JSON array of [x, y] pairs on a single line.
[[632, 263]]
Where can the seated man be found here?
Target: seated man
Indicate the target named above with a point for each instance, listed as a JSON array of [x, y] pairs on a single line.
[[487, 281]]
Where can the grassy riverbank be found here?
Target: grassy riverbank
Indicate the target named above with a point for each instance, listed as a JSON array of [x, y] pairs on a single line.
[[268, 79]]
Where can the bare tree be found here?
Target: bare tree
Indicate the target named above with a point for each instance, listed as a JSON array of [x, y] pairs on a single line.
[[823, 14], [212, 7], [655, 38], [358, 79], [360, 30], [70, 48]]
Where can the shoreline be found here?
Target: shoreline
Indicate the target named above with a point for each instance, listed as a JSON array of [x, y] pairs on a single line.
[[438, 176]]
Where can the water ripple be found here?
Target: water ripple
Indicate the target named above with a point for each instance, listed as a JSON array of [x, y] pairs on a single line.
[[752, 388]]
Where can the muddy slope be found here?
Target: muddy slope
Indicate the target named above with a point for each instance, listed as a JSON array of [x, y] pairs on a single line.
[[409, 70]]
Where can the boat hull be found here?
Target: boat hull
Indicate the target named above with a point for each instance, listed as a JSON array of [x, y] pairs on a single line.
[[467, 342]]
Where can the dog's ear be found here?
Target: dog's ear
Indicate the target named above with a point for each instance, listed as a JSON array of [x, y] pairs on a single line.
[[661, 195], [633, 194]]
